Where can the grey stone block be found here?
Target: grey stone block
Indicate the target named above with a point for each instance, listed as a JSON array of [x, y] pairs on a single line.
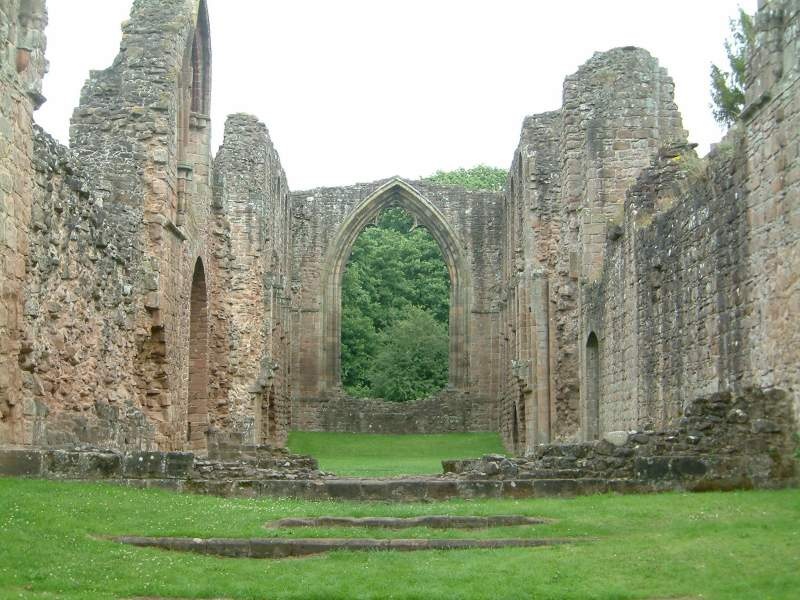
[[21, 463]]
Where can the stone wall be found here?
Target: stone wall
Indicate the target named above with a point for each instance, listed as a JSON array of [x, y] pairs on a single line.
[[721, 442], [22, 66], [252, 252], [129, 314], [566, 185], [80, 312], [325, 223], [699, 283], [449, 411], [141, 133]]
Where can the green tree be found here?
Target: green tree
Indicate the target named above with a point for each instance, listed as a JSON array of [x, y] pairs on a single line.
[[393, 267], [481, 177], [411, 361], [727, 87]]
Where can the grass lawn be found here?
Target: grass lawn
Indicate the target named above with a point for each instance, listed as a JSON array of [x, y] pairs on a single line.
[[711, 546], [377, 455]]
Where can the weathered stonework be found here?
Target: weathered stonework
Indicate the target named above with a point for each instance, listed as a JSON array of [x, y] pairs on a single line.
[[644, 277], [22, 66], [326, 223], [155, 299], [143, 297], [449, 411], [252, 249]]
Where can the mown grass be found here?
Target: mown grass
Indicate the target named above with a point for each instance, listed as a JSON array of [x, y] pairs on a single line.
[[379, 455], [713, 546]]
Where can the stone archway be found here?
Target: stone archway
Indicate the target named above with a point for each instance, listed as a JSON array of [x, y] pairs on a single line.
[[396, 193], [197, 406]]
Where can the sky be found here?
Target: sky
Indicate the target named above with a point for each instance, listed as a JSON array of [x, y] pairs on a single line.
[[359, 90]]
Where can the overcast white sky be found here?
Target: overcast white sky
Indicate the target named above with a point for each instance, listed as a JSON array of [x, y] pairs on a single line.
[[359, 90]]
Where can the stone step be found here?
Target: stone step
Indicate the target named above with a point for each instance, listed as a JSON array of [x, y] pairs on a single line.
[[286, 547], [430, 521], [406, 490]]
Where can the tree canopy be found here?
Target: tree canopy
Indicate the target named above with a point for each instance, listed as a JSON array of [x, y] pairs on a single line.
[[727, 87], [481, 177]]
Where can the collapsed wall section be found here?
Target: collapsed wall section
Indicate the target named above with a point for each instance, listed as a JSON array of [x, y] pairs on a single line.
[[251, 244]]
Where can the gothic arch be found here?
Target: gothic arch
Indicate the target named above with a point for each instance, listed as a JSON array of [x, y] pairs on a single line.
[[197, 404], [194, 105], [592, 409], [396, 193], [201, 63]]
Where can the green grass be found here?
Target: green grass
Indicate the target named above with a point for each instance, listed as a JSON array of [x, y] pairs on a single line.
[[712, 546], [377, 455]]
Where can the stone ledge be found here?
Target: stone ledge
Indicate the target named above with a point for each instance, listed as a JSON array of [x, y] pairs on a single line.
[[430, 521], [286, 547]]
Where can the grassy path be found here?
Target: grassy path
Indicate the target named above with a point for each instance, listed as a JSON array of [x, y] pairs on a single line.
[[376, 455]]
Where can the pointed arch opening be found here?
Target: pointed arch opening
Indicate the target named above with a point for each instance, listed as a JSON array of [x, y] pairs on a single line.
[[201, 64], [396, 193], [592, 387], [194, 106], [197, 408], [395, 312]]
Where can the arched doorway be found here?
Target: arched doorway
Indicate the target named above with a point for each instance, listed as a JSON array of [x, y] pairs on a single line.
[[592, 387], [197, 411], [401, 194]]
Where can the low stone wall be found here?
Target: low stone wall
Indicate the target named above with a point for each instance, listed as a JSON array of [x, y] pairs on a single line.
[[721, 442], [163, 469], [447, 412]]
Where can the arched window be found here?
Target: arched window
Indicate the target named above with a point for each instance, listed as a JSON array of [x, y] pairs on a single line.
[[592, 412], [197, 412], [201, 64]]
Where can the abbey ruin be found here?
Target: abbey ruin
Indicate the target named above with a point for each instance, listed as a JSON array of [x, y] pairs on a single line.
[[156, 297]]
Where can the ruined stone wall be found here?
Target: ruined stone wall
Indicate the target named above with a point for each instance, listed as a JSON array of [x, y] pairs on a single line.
[[319, 216], [532, 222], [110, 234], [772, 149], [699, 290], [141, 133], [723, 442], [80, 312], [566, 189], [252, 256], [22, 66]]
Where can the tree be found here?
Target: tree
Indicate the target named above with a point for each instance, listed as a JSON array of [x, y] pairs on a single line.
[[481, 177], [727, 87], [393, 268], [411, 361]]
